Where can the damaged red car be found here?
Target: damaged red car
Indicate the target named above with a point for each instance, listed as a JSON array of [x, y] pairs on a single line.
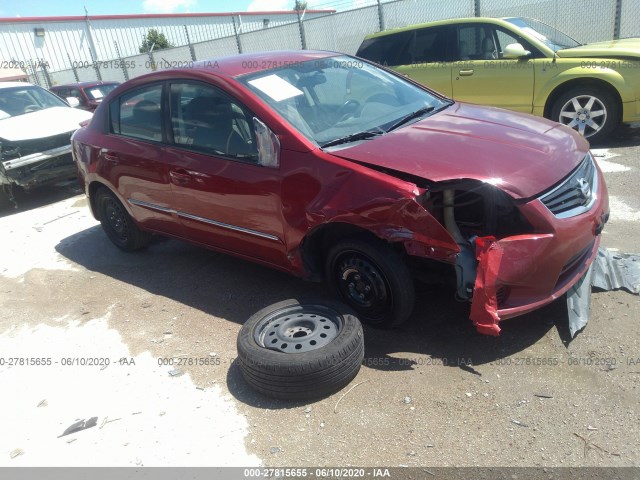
[[330, 167]]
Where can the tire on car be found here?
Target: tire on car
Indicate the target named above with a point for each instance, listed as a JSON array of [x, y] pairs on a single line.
[[590, 110], [297, 350], [118, 224], [371, 278]]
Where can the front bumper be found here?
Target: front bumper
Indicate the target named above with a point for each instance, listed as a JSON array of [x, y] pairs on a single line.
[[519, 274]]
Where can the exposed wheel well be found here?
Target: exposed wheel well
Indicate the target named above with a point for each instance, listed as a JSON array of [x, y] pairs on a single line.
[[93, 189], [316, 243], [581, 82]]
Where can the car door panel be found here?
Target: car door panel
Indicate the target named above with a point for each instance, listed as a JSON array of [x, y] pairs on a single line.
[[223, 197], [482, 76], [228, 204], [133, 159]]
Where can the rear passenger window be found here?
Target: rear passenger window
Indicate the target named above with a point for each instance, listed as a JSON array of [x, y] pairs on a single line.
[[390, 50], [430, 45], [138, 114]]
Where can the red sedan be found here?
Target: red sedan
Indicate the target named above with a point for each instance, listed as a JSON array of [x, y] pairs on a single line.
[[327, 166]]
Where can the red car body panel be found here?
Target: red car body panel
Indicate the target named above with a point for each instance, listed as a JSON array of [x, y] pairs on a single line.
[[356, 186], [518, 152]]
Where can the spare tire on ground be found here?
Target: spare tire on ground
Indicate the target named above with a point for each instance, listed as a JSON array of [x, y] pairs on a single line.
[[296, 350]]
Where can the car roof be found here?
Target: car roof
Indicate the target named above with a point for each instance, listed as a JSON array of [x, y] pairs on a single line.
[[246, 63], [450, 21], [16, 84], [86, 84]]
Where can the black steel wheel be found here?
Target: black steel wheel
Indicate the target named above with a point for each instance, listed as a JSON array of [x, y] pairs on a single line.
[[297, 350], [372, 279], [118, 224]]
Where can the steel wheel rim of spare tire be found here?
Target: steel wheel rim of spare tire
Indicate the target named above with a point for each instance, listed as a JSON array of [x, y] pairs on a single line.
[[326, 360]]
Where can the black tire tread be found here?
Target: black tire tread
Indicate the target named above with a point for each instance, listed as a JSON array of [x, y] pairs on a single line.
[[398, 276], [138, 238], [301, 376]]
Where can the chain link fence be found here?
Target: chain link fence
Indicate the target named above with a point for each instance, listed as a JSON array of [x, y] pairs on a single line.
[[585, 20]]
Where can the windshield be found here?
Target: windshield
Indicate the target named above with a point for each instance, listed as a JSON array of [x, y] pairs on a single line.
[[551, 37], [100, 91], [337, 100], [30, 98]]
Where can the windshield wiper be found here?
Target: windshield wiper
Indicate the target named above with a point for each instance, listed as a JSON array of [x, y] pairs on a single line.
[[418, 113], [354, 137]]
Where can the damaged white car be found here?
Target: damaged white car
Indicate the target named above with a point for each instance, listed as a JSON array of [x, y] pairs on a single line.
[[35, 132]]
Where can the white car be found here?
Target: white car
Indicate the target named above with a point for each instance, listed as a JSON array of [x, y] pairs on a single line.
[[35, 133]]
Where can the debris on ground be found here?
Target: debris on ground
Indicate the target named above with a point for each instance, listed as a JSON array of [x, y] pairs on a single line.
[[16, 453], [80, 425], [615, 271]]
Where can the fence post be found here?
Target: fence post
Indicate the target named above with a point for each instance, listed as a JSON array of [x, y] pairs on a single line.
[[303, 40], [380, 16], [618, 18], [235, 32], [73, 67], [122, 64], [476, 8], [92, 47], [36, 80], [45, 72], [191, 49]]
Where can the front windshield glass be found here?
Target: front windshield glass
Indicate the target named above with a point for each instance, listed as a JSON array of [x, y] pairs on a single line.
[[332, 98], [20, 100], [551, 37], [100, 91]]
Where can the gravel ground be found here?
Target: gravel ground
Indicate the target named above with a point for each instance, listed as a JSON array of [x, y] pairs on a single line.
[[433, 393]]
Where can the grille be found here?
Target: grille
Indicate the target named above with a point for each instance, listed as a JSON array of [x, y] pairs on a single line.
[[576, 194], [23, 148]]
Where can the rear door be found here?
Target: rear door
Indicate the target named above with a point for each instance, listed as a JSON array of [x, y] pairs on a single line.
[[420, 54], [134, 159], [428, 59]]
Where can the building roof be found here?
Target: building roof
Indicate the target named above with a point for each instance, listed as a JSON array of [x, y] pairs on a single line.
[[152, 16]]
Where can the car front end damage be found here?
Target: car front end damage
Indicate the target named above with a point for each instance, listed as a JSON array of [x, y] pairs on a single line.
[[518, 255], [35, 162]]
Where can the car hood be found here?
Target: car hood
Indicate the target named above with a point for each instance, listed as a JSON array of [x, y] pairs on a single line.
[[522, 154], [627, 47], [42, 123]]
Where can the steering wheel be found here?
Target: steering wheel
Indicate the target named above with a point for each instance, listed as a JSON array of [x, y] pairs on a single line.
[[31, 108], [348, 110]]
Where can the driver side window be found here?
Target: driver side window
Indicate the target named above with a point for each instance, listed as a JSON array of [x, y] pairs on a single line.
[[207, 120]]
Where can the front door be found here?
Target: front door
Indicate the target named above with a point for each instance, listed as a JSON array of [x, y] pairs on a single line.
[[223, 197], [481, 75]]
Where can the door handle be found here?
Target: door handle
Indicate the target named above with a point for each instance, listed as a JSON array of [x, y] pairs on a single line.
[[466, 73], [110, 156], [180, 176]]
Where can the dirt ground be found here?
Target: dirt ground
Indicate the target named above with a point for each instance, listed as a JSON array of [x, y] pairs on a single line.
[[432, 393]]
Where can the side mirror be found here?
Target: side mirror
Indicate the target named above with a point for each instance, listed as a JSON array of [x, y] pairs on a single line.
[[73, 102], [515, 50], [268, 145]]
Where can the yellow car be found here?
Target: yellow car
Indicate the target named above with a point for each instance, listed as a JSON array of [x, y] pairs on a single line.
[[519, 64]]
